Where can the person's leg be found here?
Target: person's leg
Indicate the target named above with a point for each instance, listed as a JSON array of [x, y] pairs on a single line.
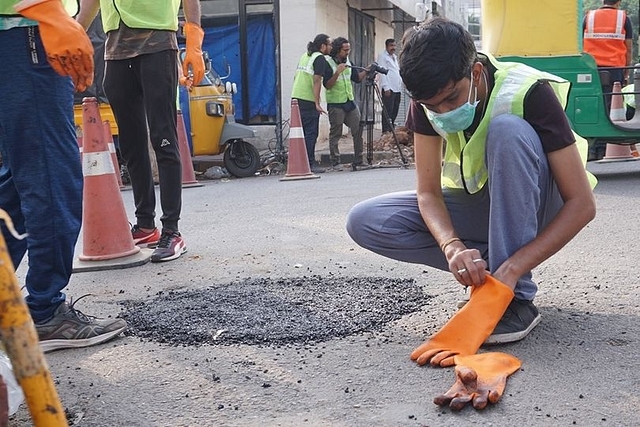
[[336, 120], [524, 196], [310, 123], [352, 120], [159, 85], [395, 108], [41, 176], [123, 88], [391, 225], [387, 103]]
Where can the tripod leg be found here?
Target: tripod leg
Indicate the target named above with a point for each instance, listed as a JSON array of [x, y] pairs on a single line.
[[393, 131]]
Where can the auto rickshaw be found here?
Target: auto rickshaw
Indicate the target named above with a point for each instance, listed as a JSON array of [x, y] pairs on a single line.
[[208, 110], [548, 37]]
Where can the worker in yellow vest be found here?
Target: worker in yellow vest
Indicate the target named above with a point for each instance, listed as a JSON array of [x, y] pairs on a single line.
[[307, 87], [341, 104], [141, 83], [510, 190]]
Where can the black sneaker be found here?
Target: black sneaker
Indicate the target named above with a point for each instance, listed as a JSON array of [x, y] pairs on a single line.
[[317, 169], [517, 321], [70, 328], [170, 246]]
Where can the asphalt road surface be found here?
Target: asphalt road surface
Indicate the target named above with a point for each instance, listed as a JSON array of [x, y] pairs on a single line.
[[274, 317]]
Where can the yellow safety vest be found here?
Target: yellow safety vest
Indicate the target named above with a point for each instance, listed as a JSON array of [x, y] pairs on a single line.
[[303, 79], [342, 91], [464, 164], [145, 14]]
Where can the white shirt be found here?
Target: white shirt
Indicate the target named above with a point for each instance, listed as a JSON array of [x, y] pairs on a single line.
[[392, 80]]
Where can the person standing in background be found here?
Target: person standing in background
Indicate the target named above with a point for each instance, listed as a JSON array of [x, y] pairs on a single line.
[[390, 85], [343, 110], [141, 83], [41, 174], [307, 85], [608, 37]]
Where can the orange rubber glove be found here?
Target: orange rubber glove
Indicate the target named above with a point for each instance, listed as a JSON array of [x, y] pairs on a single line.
[[193, 64], [69, 50], [480, 379], [465, 332]]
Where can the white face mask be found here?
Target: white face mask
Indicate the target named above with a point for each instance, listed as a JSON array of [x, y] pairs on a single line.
[[458, 119]]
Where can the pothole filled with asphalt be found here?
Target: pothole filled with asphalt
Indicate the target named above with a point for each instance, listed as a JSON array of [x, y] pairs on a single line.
[[273, 311]]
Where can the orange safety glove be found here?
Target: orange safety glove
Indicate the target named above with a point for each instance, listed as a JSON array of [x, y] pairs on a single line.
[[480, 378], [69, 50], [193, 64], [465, 332]]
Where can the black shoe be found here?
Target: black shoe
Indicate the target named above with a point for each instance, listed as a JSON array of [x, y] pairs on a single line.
[[317, 169], [517, 321]]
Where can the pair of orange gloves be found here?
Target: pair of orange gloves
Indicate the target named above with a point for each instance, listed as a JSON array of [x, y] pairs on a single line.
[[69, 50], [480, 378]]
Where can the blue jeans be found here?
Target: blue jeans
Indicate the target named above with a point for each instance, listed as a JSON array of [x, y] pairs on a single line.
[[518, 201], [41, 176]]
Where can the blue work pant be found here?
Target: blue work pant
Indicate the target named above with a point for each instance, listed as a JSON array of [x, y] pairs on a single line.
[[41, 175]]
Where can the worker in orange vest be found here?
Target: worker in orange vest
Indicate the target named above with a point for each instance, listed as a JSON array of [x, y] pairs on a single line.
[[608, 36]]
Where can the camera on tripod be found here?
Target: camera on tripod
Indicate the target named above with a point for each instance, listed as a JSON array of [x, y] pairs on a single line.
[[375, 68]]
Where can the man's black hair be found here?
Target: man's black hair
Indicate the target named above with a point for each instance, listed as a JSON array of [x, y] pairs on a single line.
[[387, 42], [434, 54], [317, 43], [337, 44]]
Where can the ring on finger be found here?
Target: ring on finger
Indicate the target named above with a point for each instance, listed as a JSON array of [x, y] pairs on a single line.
[[477, 260], [462, 270]]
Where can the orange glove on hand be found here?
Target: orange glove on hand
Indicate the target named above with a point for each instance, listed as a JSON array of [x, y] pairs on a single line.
[[193, 57], [69, 50], [465, 332], [480, 378]]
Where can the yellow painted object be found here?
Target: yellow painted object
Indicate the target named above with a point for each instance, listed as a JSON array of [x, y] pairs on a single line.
[[516, 27], [206, 129], [105, 114], [20, 340]]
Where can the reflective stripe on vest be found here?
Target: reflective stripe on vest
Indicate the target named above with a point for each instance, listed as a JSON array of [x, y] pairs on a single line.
[[464, 161], [303, 79], [146, 14], [604, 37], [342, 91]]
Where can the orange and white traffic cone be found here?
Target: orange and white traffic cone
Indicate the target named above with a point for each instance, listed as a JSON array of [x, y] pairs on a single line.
[[188, 174], [107, 242], [112, 149], [618, 113], [298, 161]]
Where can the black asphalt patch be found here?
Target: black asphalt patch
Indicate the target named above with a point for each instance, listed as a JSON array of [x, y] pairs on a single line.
[[273, 311]]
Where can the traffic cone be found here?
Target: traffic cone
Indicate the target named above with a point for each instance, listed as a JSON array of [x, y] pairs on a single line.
[[617, 114], [188, 174], [298, 161], [106, 236], [106, 126]]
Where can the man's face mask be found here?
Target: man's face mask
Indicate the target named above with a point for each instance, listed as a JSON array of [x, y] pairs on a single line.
[[460, 118]]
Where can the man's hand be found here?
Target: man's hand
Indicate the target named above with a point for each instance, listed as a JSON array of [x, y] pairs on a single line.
[[465, 332], [193, 64], [69, 50], [480, 379]]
